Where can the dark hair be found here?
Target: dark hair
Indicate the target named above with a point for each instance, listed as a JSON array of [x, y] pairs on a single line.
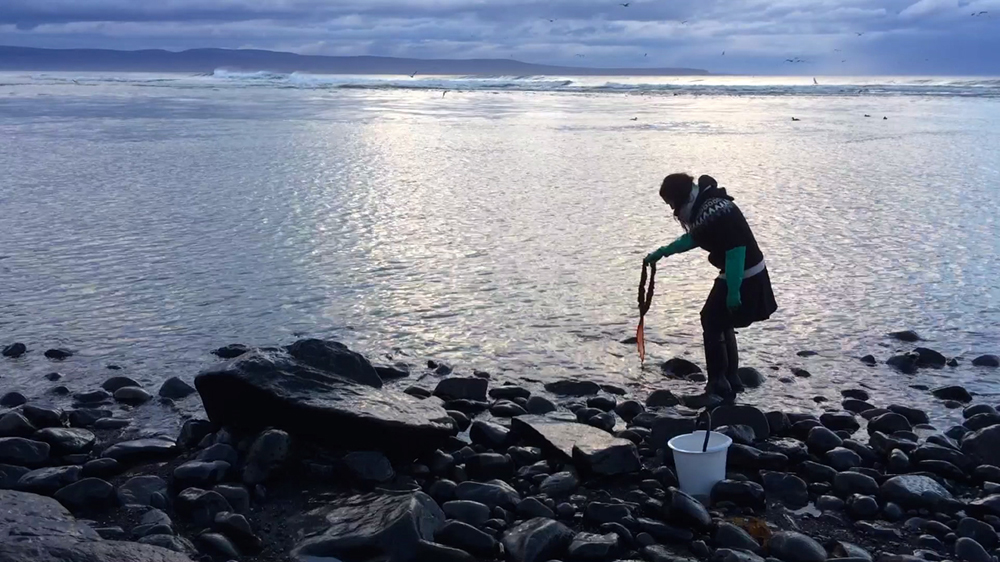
[[676, 188]]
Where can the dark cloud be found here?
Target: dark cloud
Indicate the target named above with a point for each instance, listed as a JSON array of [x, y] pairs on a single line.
[[897, 36]]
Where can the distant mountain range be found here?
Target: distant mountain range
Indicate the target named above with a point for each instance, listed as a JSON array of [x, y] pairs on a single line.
[[208, 60]]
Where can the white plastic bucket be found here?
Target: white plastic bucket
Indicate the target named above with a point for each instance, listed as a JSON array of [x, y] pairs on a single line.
[[697, 471]]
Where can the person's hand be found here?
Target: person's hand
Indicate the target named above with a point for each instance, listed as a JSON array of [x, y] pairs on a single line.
[[733, 301], [654, 257]]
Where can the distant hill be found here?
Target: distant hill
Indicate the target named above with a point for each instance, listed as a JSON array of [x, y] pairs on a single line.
[[207, 60]]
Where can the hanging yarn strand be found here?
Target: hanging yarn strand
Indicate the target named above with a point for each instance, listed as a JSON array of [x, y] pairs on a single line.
[[645, 301]]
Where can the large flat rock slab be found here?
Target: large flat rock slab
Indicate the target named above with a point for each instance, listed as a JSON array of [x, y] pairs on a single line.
[[38, 529], [589, 448], [389, 525], [271, 388]]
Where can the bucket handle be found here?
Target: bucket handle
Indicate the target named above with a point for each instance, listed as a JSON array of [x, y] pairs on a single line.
[[708, 429]]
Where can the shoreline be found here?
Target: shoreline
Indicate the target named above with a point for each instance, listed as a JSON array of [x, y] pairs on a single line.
[[579, 468]]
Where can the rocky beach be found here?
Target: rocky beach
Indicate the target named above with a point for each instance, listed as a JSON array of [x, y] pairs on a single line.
[[311, 452]]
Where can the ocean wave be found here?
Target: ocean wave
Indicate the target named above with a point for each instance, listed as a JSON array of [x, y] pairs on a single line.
[[988, 87]]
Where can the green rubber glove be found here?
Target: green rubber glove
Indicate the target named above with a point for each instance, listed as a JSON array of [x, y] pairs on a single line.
[[679, 246], [735, 263]]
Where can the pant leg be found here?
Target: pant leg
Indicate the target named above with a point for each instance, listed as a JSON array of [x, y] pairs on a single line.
[[715, 323]]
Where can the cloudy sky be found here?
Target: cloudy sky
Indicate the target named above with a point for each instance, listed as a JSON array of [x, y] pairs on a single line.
[[756, 36]]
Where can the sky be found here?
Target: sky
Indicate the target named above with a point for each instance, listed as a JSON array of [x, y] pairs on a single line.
[[822, 37]]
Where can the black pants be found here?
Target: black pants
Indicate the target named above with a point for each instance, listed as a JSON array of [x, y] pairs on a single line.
[[721, 354]]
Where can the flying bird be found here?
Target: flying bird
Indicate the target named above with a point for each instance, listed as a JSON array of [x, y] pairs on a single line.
[[866, 115], [836, 50], [580, 55], [444, 93], [634, 119], [625, 5], [795, 119], [983, 13], [646, 55], [860, 33], [723, 54], [414, 74]]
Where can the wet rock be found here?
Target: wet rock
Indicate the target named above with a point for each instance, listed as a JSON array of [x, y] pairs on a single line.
[[99, 396], [742, 434], [728, 535], [13, 424], [267, 454], [953, 392], [685, 510], [978, 409], [66, 441], [142, 451], [315, 387], [506, 409], [978, 531], [990, 505], [592, 546], [170, 542], [914, 491], [41, 530], [23, 452], [471, 512], [889, 423], [531, 507], [201, 474], [559, 485], [201, 506], [489, 466], [629, 409], [88, 493], [42, 417], [913, 415], [986, 361], [898, 461], [537, 540], [815, 472], [746, 494], [669, 425], [840, 421], [47, 481], [679, 367], [114, 383], [590, 449], [893, 512], [743, 415], [462, 388], [742, 456], [59, 391], [786, 488], [822, 439], [869, 360], [493, 494], [216, 545], [87, 417], [10, 474], [987, 472], [603, 403], [175, 389], [509, 392], [968, 550], [490, 435], [905, 363], [750, 377], [58, 354], [101, 468], [981, 421], [599, 512], [466, 537], [981, 445], [417, 392], [829, 503], [908, 336], [12, 400], [856, 406], [662, 399], [443, 491], [929, 358], [139, 490], [862, 507], [850, 483], [843, 459], [795, 547], [569, 387], [14, 350], [664, 533], [369, 466], [230, 351], [539, 405]]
